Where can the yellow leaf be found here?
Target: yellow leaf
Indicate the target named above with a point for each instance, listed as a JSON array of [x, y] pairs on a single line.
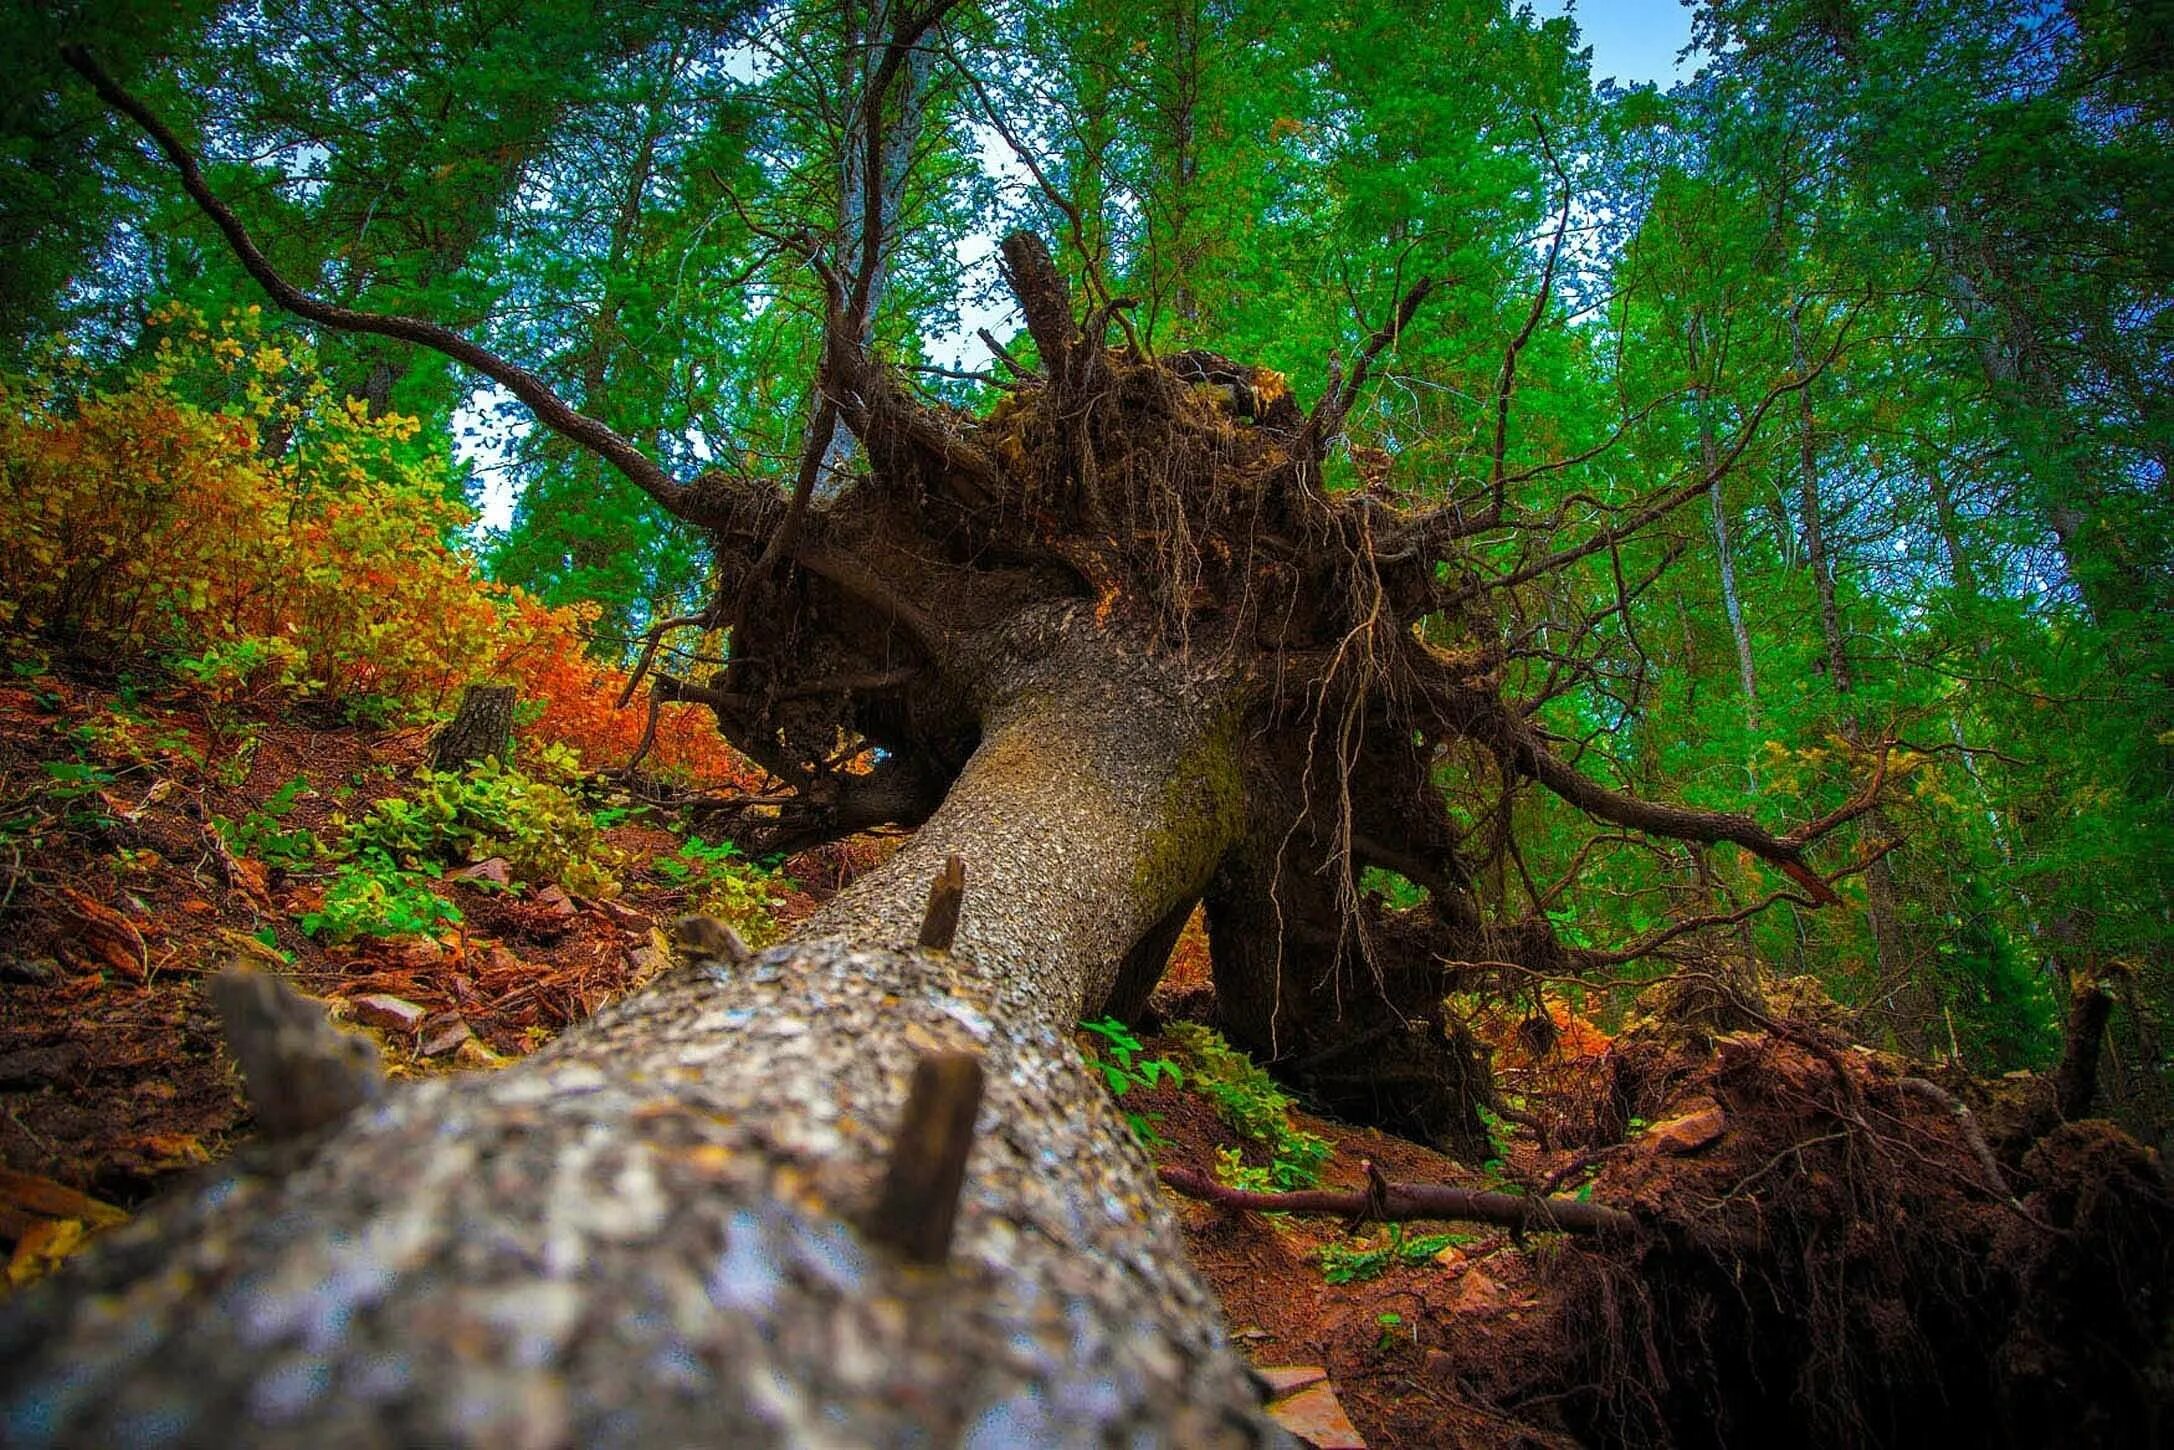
[[42, 1247]]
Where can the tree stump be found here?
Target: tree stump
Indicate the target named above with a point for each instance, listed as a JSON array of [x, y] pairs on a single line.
[[480, 729]]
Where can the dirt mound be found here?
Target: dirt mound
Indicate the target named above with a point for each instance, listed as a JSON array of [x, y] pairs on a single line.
[[1821, 1259]]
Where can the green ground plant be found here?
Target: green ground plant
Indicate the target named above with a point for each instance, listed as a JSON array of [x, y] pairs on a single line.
[[1356, 1260], [374, 896], [263, 835], [1123, 1068], [542, 829], [1257, 1110], [721, 881]]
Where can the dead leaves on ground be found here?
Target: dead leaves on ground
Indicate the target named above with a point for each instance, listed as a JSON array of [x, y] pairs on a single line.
[[47, 1222]]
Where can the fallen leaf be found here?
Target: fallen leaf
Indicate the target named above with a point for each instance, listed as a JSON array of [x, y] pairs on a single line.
[[42, 1248], [47, 1199]]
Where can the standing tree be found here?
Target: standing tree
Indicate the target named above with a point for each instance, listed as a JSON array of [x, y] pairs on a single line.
[[1117, 647]]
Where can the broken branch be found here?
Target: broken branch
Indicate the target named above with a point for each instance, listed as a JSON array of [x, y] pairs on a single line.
[[945, 896], [1401, 1202], [919, 1206]]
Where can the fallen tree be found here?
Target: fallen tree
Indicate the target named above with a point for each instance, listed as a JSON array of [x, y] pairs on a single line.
[[1115, 648]]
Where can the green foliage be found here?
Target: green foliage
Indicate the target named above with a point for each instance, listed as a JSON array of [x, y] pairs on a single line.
[[227, 668], [1398, 892], [1251, 1103], [261, 834], [1498, 1139], [1123, 1069], [449, 818], [721, 881], [1354, 1261], [1964, 200], [73, 780], [373, 896], [2002, 1009]]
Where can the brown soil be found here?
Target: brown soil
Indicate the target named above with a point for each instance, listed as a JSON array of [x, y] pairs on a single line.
[[111, 1075]]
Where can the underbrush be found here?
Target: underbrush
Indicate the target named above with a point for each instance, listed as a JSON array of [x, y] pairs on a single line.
[[218, 512], [1249, 1101], [537, 825]]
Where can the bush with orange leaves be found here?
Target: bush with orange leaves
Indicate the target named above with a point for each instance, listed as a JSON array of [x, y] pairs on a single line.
[[219, 505]]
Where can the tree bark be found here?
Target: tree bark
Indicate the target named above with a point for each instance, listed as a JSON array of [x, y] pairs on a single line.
[[1815, 541], [2076, 1080], [482, 728], [648, 1232]]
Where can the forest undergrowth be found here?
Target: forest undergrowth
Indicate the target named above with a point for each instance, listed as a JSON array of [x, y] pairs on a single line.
[[1821, 1258]]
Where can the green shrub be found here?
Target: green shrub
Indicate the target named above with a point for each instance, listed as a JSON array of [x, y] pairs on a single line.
[[450, 818], [231, 668], [372, 896], [1259, 1111], [722, 882]]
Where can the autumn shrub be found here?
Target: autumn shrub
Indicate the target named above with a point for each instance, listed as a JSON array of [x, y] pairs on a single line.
[[220, 509], [576, 700]]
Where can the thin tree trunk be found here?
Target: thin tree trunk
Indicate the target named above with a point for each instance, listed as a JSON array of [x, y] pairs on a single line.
[[1815, 543], [1730, 600], [2023, 385], [646, 1234], [1909, 1004], [901, 135]]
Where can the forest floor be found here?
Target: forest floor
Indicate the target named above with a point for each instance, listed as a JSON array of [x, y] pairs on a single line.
[[1896, 1255]]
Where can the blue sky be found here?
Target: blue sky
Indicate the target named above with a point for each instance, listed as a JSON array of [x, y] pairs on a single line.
[[1632, 40]]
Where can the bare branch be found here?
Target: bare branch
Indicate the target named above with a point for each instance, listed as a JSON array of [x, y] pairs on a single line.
[[1652, 942], [997, 349], [1328, 414], [1682, 823], [1667, 501], [1386, 1202], [550, 410]]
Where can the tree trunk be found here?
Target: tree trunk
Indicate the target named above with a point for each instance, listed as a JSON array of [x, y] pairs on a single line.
[[481, 729], [1730, 601], [901, 136], [648, 1233], [1815, 540]]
